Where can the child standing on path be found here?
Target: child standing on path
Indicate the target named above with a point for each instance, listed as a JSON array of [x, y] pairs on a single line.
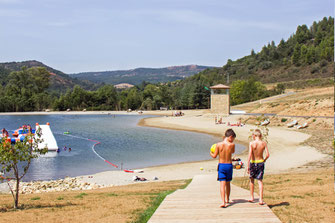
[[256, 163], [225, 149]]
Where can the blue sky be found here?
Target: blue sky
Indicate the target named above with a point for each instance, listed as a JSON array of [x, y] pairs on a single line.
[[82, 35]]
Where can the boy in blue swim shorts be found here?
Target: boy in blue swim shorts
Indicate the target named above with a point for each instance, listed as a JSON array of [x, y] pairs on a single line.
[[225, 149]]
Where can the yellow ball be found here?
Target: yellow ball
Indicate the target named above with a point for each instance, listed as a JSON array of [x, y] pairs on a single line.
[[213, 148]]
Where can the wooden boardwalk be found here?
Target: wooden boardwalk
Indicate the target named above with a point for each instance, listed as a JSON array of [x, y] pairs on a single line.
[[200, 202]]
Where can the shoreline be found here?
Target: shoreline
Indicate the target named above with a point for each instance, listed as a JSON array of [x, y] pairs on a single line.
[[143, 123], [84, 113], [286, 150]]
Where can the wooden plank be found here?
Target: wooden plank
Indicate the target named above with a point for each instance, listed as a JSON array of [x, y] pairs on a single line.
[[200, 201]]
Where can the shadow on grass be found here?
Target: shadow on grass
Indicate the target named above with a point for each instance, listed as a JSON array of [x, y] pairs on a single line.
[[35, 206], [279, 204]]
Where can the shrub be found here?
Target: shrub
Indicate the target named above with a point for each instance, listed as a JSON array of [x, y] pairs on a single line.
[[266, 65], [283, 120], [324, 70], [315, 69], [323, 63]]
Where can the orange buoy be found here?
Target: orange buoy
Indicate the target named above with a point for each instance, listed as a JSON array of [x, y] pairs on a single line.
[[48, 123]]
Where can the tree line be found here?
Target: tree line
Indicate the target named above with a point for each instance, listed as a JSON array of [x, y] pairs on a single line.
[[27, 91]]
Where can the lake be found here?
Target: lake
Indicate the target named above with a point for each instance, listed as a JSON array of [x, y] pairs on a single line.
[[122, 142]]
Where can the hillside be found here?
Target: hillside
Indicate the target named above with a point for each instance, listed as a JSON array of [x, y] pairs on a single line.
[[59, 81], [306, 54], [138, 75]]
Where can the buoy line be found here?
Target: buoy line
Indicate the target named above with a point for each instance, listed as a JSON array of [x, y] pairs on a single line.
[[93, 147]]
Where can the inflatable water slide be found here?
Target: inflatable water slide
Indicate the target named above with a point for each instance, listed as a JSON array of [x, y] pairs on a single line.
[[48, 137]]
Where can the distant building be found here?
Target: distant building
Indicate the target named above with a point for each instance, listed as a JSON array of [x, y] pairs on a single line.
[[123, 86], [220, 102]]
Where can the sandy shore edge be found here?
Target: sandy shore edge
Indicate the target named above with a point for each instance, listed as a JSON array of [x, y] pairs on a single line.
[[285, 148]]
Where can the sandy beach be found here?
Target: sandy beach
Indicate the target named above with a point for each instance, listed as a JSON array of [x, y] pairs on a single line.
[[285, 147], [287, 153]]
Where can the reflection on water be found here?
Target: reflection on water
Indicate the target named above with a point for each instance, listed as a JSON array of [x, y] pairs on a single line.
[[122, 141]]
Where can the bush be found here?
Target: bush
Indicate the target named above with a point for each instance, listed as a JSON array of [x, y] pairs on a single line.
[[323, 63], [315, 69], [266, 65], [324, 70], [283, 120]]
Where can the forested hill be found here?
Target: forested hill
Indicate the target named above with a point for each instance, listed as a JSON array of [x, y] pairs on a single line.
[[306, 54], [138, 75], [306, 58], [59, 81]]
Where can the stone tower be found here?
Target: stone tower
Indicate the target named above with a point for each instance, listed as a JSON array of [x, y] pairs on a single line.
[[220, 99]]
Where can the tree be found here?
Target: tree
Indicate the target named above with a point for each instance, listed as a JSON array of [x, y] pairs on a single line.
[[15, 160], [133, 99], [236, 90], [302, 34], [303, 53], [296, 55], [110, 95], [23, 85], [310, 56], [280, 88]]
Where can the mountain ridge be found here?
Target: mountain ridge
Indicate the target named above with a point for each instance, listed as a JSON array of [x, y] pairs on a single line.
[[60, 81], [137, 75]]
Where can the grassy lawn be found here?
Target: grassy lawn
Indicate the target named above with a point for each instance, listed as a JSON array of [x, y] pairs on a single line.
[[131, 203], [300, 197]]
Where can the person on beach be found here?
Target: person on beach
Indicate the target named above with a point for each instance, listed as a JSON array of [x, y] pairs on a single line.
[[4, 133], [256, 163], [225, 149]]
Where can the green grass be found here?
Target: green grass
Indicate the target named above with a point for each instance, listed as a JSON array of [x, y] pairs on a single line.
[[60, 198], [35, 198], [111, 195], [81, 195], [297, 196], [155, 202]]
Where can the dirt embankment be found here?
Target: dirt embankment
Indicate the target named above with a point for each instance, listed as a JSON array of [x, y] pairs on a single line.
[[307, 102]]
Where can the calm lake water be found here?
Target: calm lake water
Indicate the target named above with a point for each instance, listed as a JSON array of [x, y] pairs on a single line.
[[122, 141]]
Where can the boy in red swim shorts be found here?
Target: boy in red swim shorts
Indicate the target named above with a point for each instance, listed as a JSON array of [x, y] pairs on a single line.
[[225, 149]]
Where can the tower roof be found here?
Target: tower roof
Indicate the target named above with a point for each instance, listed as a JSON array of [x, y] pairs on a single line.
[[220, 86]]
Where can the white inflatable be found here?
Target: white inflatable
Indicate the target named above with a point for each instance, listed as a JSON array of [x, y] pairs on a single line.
[[48, 138]]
